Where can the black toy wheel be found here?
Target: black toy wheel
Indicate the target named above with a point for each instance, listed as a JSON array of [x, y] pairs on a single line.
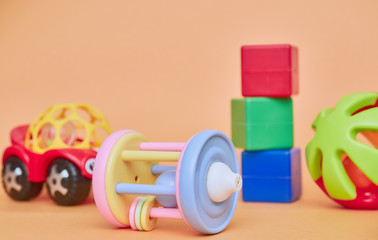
[[16, 181], [65, 183]]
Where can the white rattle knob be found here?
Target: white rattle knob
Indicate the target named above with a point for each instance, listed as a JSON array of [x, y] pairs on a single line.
[[222, 182]]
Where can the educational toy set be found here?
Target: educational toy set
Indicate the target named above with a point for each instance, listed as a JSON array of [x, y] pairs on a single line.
[[133, 186], [262, 124]]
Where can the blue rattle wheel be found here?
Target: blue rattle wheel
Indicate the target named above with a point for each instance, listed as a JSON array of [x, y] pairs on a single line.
[[194, 203]]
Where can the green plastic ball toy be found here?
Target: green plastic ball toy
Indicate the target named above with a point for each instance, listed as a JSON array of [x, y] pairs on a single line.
[[347, 169]]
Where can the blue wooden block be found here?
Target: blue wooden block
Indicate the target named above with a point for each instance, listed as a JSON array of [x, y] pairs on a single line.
[[281, 189], [272, 163], [272, 176]]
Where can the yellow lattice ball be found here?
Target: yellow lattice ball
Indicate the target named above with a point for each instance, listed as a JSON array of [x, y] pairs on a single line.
[[67, 126]]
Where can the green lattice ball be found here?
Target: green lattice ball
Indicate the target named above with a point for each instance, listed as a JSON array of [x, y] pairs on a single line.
[[336, 131]]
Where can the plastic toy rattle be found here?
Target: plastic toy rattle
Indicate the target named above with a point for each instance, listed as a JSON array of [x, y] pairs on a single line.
[[345, 168], [201, 189]]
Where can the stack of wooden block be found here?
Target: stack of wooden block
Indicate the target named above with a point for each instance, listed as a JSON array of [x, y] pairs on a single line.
[[262, 124]]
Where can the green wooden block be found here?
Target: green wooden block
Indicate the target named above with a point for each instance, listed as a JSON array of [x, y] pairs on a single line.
[[261, 123]]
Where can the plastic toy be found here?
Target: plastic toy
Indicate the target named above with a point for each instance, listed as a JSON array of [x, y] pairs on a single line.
[[346, 168], [201, 189], [272, 175], [262, 123], [57, 148], [269, 70]]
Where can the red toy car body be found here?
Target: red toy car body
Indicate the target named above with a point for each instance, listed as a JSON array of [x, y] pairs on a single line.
[[37, 164]]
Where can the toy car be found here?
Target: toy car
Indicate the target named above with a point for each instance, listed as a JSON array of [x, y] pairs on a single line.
[[59, 148]]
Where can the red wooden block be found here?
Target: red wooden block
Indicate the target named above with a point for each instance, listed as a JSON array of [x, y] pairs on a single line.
[[269, 70]]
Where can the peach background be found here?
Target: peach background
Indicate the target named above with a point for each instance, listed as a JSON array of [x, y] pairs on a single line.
[[169, 69]]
